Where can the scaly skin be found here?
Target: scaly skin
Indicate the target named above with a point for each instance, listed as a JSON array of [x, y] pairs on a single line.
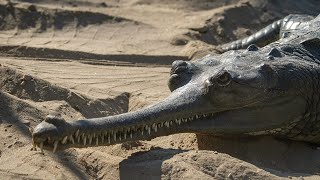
[[269, 91]]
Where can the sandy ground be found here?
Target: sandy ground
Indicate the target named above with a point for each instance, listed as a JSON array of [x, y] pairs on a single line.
[[87, 59]]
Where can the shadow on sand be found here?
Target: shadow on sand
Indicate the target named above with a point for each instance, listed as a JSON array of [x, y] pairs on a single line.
[[9, 115], [146, 165], [279, 157]]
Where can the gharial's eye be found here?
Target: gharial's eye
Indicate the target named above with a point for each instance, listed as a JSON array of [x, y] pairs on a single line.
[[223, 79]]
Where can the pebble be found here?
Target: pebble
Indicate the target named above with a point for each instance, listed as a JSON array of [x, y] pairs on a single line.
[[25, 122], [103, 4], [32, 8], [248, 32], [220, 19], [179, 41]]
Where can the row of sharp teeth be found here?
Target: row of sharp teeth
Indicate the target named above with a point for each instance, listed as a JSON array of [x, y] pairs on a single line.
[[115, 135]]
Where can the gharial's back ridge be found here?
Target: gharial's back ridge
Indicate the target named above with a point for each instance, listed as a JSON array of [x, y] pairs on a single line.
[[273, 90]]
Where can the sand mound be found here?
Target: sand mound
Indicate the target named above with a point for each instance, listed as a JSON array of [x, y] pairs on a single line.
[[41, 19], [26, 87]]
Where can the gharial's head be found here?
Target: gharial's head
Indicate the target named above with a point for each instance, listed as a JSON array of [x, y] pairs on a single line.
[[250, 92], [253, 91]]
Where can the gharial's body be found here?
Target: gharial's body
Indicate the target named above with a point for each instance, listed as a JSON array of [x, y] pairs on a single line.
[[274, 90]]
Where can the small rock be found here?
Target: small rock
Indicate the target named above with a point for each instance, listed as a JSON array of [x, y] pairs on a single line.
[[25, 122], [10, 146], [220, 19], [300, 178], [179, 41], [103, 4], [248, 32], [8, 125], [32, 8], [18, 143]]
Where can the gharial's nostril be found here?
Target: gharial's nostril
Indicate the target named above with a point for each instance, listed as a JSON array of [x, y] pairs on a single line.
[[178, 67]]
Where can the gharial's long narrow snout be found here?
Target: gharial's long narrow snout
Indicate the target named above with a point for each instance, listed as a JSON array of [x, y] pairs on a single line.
[[164, 118]]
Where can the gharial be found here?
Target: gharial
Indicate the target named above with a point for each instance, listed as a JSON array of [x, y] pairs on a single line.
[[273, 90]]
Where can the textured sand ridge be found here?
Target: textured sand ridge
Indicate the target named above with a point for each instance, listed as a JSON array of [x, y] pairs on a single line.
[[85, 59]]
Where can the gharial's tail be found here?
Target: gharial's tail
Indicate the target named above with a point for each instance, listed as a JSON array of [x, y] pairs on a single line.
[[270, 33], [262, 37]]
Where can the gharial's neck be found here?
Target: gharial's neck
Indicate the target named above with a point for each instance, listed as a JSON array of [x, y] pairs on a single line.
[[305, 82]]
